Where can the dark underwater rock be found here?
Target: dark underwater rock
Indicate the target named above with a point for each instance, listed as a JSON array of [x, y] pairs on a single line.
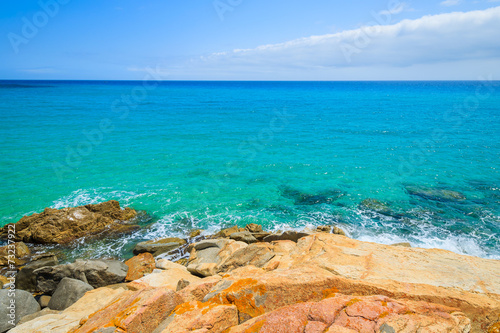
[[435, 194]]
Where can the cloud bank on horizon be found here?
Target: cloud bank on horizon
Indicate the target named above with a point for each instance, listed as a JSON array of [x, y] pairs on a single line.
[[453, 45]]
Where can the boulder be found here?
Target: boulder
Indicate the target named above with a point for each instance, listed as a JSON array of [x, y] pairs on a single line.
[[157, 247], [61, 226], [68, 291], [70, 318], [25, 278], [255, 254], [253, 227], [16, 252], [139, 266], [324, 228], [243, 236], [287, 235], [44, 301], [14, 305], [337, 231], [133, 311], [167, 275], [197, 290], [358, 314], [97, 273], [200, 317], [195, 233], [206, 256], [225, 233]]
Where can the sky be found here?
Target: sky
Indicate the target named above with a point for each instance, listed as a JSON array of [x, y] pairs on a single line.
[[250, 39]]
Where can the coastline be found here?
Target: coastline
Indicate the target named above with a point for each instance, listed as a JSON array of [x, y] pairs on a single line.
[[245, 279]]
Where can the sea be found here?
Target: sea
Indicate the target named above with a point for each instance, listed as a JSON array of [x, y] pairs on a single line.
[[387, 162]]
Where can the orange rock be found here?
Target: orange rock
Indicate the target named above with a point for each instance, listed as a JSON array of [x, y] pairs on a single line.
[[197, 290], [139, 266], [201, 317], [135, 311]]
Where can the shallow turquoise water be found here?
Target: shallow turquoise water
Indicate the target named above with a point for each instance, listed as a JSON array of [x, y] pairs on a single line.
[[283, 154]]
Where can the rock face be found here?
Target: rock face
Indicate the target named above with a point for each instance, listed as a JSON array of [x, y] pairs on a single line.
[[26, 280], [139, 266], [68, 291], [14, 306], [159, 246], [97, 273], [60, 226]]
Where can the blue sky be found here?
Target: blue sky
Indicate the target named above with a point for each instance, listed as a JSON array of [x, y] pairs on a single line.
[[250, 39]]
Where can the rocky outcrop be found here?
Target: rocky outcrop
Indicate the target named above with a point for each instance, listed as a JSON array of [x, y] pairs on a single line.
[[14, 305], [157, 247], [97, 273], [139, 266], [14, 253], [68, 291], [60, 226]]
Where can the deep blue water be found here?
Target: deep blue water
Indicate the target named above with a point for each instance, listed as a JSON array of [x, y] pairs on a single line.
[[282, 154]]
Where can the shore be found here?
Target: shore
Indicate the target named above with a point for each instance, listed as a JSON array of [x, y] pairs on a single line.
[[241, 279]]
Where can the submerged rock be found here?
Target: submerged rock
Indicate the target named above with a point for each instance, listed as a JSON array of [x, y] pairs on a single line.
[[435, 193], [61, 226], [306, 199], [376, 206]]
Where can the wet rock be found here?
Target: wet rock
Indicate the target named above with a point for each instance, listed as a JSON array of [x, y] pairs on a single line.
[[195, 233], [139, 266], [435, 194], [14, 306], [337, 231], [61, 226], [225, 233], [402, 244], [376, 206], [68, 291], [97, 273], [324, 228], [157, 247], [16, 252], [26, 280], [243, 236], [287, 235]]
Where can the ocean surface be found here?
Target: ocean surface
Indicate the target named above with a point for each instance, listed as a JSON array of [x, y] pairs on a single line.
[[388, 162]]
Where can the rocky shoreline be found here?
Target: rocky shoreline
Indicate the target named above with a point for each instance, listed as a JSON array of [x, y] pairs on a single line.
[[238, 280]]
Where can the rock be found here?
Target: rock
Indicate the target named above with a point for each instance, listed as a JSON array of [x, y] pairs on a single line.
[[255, 254], [70, 318], [261, 235], [206, 256], [197, 290], [182, 284], [376, 206], [14, 305], [253, 228], [159, 246], [243, 236], [16, 252], [26, 279], [3, 281], [358, 314], [44, 301], [225, 233], [435, 194], [68, 292], [35, 315], [61, 226], [97, 273], [402, 244], [139, 266], [338, 231], [167, 277], [200, 317], [287, 235], [301, 198], [195, 233], [324, 228], [133, 311]]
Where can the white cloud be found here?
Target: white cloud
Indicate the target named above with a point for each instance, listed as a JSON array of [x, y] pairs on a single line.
[[449, 3], [467, 37]]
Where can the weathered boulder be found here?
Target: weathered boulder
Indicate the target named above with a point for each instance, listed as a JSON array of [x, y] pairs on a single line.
[[435, 194], [60, 226], [139, 266], [14, 305], [15, 252], [168, 278], [200, 317], [225, 233], [197, 290], [157, 247], [359, 314], [68, 291], [253, 227], [133, 311], [337, 231], [26, 279], [97, 273], [206, 256], [35, 315], [70, 318], [258, 255], [287, 235], [324, 228], [243, 236]]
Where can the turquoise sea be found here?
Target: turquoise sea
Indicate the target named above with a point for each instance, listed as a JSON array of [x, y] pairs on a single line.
[[283, 154]]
